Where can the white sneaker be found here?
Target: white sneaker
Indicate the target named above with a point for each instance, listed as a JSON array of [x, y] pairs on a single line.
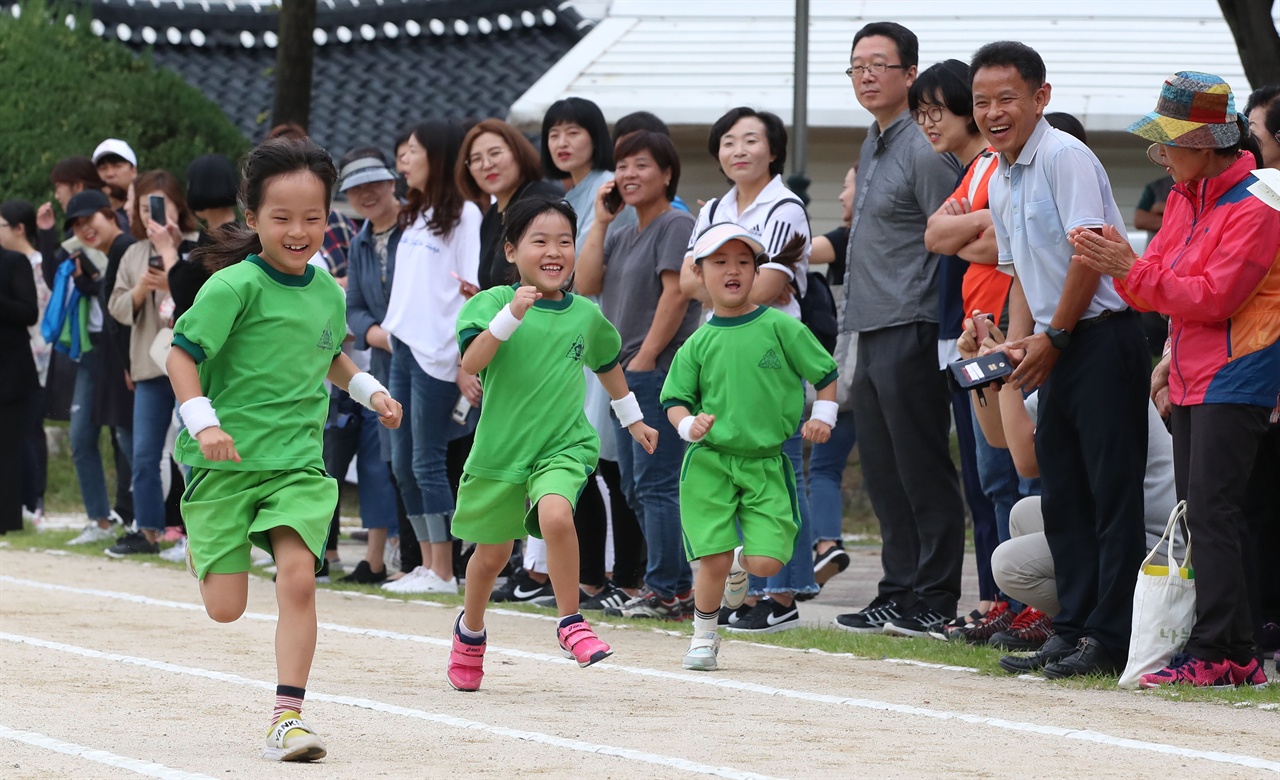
[[704, 651], [735, 585], [92, 534], [397, 586], [430, 582], [292, 740], [177, 553]]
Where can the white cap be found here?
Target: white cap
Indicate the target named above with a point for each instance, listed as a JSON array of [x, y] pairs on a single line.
[[717, 236], [117, 147]]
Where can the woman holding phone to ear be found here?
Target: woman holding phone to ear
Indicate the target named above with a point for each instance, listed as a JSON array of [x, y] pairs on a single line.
[[167, 230]]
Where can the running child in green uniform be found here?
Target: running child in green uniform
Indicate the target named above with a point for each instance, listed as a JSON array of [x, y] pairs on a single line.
[[736, 392], [264, 333], [533, 445]]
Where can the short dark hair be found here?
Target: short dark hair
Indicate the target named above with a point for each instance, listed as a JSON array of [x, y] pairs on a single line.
[[1067, 123], [1026, 60], [20, 214], [639, 120], [588, 116], [906, 41], [659, 147], [521, 213], [212, 182], [944, 84], [76, 170], [111, 158], [1269, 98], [775, 133]]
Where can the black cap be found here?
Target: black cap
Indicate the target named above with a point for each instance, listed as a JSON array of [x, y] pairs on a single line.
[[85, 204], [212, 182]]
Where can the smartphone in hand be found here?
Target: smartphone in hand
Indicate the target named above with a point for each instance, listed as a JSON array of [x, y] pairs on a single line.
[[982, 322], [156, 205], [156, 262], [613, 200]]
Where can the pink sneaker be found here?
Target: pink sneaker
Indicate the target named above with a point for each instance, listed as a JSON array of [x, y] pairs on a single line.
[[466, 662], [580, 643], [1188, 670], [1251, 674]]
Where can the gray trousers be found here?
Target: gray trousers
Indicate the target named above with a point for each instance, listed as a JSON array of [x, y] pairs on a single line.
[[1023, 566], [901, 407]]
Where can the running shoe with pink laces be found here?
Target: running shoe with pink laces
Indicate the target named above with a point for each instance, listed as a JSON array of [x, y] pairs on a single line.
[[580, 643], [1250, 674], [466, 660], [1188, 670]]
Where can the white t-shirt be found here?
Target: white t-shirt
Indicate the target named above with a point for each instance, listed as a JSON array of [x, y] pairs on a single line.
[[425, 301], [772, 230]]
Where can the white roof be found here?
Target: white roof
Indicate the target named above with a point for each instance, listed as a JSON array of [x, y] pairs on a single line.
[[688, 61]]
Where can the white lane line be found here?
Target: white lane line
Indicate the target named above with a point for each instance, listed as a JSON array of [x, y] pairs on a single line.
[[724, 682], [392, 709], [148, 768]]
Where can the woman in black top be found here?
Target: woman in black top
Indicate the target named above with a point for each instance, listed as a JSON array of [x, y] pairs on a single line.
[[18, 310], [498, 165]]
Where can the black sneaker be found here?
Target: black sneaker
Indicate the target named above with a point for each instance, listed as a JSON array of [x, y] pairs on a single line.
[[830, 563], [520, 588], [731, 617], [920, 621], [871, 619], [649, 605], [364, 574], [612, 597], [132, 543], [1055, 649], [767, 617]]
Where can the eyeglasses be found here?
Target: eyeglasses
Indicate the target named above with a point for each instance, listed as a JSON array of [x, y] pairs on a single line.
[[493, 158], [875, 69], [1156, 154], [932, 113]]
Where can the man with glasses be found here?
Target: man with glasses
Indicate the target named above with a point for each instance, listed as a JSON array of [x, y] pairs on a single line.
[[900, 398]]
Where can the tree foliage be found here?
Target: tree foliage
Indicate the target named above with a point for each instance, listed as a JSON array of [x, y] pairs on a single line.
[[66, 90]]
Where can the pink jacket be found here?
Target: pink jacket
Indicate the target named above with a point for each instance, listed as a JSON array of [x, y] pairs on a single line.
[[1214, 269]]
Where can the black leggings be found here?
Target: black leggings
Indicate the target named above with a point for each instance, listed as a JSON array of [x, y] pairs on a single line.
[[592, 521]]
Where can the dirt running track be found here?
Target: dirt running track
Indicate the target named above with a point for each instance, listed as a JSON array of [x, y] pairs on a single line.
[[104, 656]]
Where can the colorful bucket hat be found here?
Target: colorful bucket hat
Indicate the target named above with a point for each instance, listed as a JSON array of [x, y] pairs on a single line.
[[1195, 110]]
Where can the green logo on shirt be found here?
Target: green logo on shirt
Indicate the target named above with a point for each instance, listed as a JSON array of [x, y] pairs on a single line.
[[576, 349], [326, 338], [770, 360]]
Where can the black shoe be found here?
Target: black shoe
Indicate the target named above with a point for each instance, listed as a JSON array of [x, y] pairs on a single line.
[[920, 621], [1089, 657], [132, 543], [808, 596], [767, 617], [830, 563], [520, 588], [1055, 649], [871, 619], [732, 617], [322, 574], [611, 597], [364, 574]]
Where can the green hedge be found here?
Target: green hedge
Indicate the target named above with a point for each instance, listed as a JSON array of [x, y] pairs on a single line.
[[63, 91]]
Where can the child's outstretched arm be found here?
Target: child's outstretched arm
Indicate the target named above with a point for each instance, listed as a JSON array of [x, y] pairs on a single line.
[[690, 427], [196, 410], [627, 408], [366, 390], [823, 417], [483, 347]]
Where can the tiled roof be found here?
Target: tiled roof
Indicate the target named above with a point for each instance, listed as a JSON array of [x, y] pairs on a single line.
[[380, 65]]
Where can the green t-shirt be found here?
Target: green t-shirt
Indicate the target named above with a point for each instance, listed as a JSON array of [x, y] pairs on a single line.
[[263, 342], [747, 371], [534, 387]]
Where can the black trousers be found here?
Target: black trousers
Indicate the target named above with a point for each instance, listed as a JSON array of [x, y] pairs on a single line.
[[591, 520], [1262, 507], [901, 406], [35, 479], [1091, 444], [11, 463], [1214, 449]]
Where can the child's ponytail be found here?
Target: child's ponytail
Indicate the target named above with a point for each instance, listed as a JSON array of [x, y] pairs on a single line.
[[232, 243]]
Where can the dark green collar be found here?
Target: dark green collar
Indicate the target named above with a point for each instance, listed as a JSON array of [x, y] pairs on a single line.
[[288, 280], [543, 303], [729, 322]]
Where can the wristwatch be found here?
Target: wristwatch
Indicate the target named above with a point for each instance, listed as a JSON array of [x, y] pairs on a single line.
[[1060, 339]]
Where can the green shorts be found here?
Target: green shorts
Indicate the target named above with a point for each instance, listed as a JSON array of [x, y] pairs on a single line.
[[722, 495], [494, 512], [227, 511]]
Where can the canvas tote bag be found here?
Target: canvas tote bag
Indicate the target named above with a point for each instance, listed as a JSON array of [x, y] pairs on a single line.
[[1164, 605]]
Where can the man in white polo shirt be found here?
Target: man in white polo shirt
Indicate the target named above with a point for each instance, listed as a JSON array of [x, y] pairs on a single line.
[[1073, 337]]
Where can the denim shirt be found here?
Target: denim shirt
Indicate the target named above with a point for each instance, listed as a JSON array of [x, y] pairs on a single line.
[[368, 294]]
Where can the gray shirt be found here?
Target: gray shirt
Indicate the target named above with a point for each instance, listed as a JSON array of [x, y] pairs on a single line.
[[634, 260], [891, 278]]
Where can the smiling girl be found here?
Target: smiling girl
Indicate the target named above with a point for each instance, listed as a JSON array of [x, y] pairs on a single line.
[[249, 367]]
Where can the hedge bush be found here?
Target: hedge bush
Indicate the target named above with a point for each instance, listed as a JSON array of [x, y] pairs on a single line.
[[64, 91]]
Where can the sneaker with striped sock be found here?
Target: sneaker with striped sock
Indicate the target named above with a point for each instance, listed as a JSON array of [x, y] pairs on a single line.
[[704, 652], [289, 739]]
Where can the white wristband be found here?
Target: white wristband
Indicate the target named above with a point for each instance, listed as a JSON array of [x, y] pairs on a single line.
[[685, 426], [825, 411], [628, 410], [362, 388], [197, 414], [504, 323]]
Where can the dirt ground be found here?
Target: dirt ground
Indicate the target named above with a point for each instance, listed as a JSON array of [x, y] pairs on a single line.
[[117, 657]]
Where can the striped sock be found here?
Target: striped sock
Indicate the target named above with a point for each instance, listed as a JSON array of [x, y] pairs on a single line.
[[705, 621], [288, 698]]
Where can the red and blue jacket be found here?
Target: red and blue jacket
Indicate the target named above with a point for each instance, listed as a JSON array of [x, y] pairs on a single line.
[[1214, 269]]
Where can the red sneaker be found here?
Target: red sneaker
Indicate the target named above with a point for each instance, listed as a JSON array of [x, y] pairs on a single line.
[[1250, 674], [580, 643], [466, 662], [1188, 670], [1029, 631], [998, 618]]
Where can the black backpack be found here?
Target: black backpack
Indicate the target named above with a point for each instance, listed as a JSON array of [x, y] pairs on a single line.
[[817, 305]]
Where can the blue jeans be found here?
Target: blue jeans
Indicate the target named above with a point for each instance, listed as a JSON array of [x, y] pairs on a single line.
[[651, 485], [353, 430], [1000, 480], [985, 534], [152, 413], [84, 439], [797, 575], [420, 446], [827, 463]]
